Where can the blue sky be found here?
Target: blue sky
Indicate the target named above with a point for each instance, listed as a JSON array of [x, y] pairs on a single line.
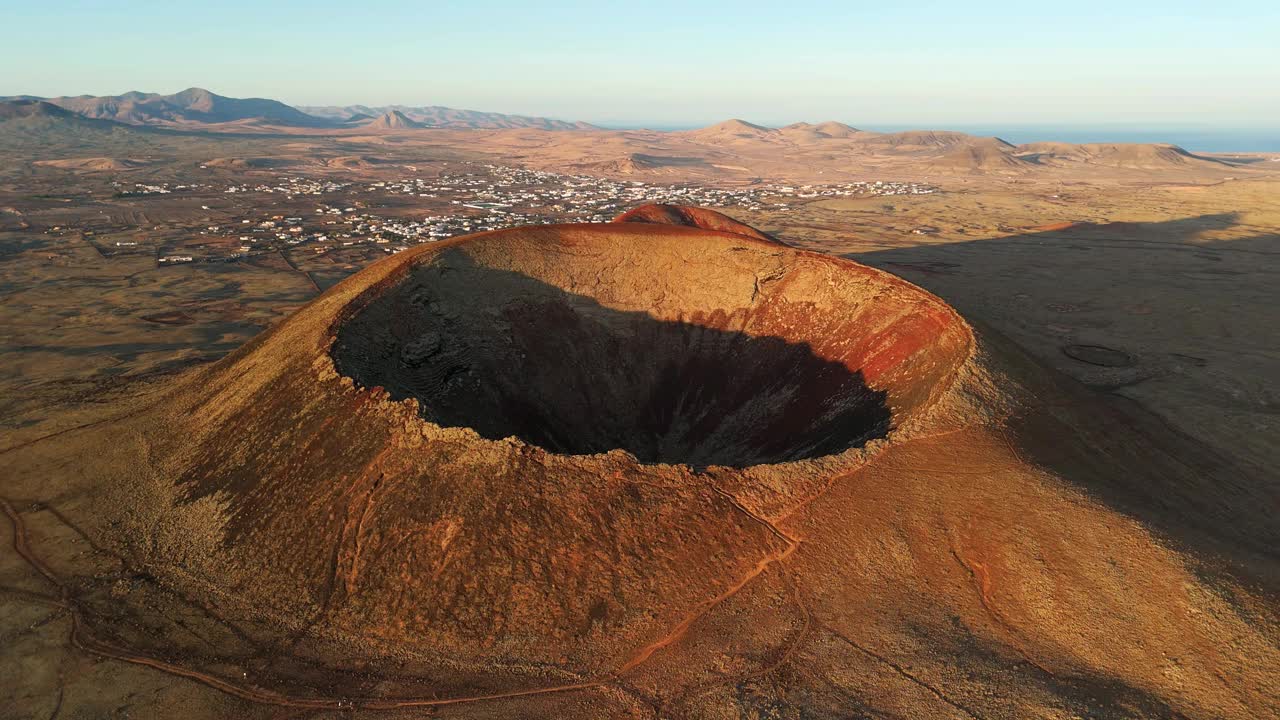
[[670, 63]]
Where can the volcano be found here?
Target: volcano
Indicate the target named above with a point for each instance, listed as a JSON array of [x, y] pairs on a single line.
[[666, 465]]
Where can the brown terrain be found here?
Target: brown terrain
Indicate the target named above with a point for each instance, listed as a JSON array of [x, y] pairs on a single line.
[[1003, 450]]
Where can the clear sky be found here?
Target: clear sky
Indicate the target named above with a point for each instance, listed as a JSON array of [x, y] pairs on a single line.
[[1214, 63]]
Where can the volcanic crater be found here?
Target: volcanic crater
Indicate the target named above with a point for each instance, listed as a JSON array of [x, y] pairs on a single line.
[[755, 359], [506, 354]]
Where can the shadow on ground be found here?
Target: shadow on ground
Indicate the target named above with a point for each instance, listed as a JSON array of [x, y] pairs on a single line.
[[1197, 320]]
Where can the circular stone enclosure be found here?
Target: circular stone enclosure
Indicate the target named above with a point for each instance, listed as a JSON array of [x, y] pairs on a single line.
[[677, 345]]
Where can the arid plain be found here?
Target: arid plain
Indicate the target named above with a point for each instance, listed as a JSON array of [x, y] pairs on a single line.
[[1108, 552]]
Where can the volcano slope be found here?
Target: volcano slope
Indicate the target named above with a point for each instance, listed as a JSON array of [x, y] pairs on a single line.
[[650, 469]]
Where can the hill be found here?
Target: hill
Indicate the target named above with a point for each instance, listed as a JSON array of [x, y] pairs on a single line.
[[633, 163], [33, 127], [391, 120], [1137, 156], [35, 131], [835, 129], [94, 164], [23, 109], [980, 156], [808, 132], [923, 139], [731, 130]]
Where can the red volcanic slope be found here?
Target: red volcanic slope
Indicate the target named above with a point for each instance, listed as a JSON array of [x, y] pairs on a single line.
[[694, 217]]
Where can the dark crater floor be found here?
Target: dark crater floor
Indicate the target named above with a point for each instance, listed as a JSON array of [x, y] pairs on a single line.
[[508, 355]]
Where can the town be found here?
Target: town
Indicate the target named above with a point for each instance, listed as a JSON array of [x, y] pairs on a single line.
[[347, 223]]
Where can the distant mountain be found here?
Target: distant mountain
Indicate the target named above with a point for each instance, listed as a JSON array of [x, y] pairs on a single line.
[[835, 129], [191, 106], [391, 120], [30, 126], [39, 115], [733, 129], [19, 109], [441, 117]]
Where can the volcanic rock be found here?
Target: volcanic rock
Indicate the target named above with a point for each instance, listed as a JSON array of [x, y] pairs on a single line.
[[692, 217]]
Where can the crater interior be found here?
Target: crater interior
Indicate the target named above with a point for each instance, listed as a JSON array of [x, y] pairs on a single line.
[[549, 344]]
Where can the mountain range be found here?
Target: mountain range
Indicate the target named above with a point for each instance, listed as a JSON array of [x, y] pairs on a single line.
[[197, 106], [435, 116], [191, 106], [135, 120], [31, 124]]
